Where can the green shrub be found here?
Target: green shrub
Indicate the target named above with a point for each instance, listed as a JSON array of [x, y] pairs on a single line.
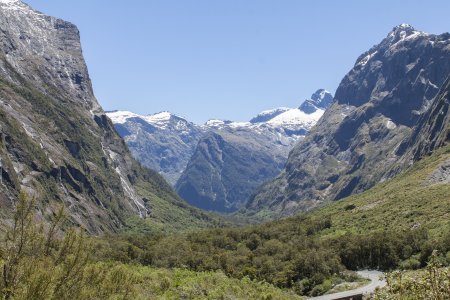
[[410, 264], [432, 283]]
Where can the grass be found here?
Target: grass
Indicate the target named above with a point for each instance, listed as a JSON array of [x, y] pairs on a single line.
[[403, 203], [396, 224], [154, 283]]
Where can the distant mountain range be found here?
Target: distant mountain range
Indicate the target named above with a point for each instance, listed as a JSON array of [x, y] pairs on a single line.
[[216, 166]]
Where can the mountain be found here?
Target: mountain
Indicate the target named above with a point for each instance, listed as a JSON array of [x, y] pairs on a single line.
[[163, 142], [363, 136], [57, 144], [432, 132], [234, 158]]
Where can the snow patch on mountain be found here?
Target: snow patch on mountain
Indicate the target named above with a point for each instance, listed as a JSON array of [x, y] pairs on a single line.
[[120, 116], [165, 142], [160, 119], [297, 117]]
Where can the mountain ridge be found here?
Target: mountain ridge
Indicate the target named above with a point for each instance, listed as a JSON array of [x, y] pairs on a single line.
[[232, 161], [57, 144], [165, 141], [376, 107]]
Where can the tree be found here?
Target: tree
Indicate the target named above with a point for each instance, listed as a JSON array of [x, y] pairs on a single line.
[[36, 264]]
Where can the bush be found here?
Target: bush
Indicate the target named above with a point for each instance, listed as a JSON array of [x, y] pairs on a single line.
[[36, 265], [432, 283], [410, 264]]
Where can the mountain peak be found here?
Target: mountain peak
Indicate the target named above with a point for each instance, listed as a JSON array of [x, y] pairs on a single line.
[[321, 99], [10, 2], [403, 27], [16, 5], [267, 115], [161, 116], [401, 32]]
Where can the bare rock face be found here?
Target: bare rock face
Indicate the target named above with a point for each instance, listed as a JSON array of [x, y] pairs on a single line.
[[229, 164], [56, 142], [433, 130], [233, 158], [356, 143], [41, 48], [163, 142], [186, 154]]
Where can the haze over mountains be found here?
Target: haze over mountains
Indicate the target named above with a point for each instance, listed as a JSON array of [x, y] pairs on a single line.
[[216, 166]]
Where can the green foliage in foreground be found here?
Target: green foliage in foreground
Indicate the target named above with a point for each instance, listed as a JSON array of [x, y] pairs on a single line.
[[397, 224], [295, 257], [151, 283], [432, 283], [35, 264]]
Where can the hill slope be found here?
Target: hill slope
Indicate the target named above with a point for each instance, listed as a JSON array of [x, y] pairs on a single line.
[[56, 142], [356, 143], [395, 224]]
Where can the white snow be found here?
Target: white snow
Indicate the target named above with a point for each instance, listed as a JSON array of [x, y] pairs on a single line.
[[390, 124], [279, 120], [405, 26], [239, 124], [296, 116], [160, 119], [323, 93], [120, 117], [16, 5], [272, 111], [366, 59], [214, 123], [404, 35]]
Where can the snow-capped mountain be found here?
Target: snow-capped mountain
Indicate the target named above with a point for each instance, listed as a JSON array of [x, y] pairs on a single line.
[[293, 121], [198, 158], [234, 158], [366, 132], [163, 141]]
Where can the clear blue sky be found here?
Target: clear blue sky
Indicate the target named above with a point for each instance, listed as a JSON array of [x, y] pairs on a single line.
[[229, 59]]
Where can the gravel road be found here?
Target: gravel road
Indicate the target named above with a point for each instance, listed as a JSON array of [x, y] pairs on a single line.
[[374, 277]]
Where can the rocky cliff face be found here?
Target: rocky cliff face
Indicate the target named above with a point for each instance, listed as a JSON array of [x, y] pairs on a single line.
[[43, 49], [359, 138], [233, 159], [166, 142], [163, 142], [432, 132], [216, 166], [56, 142]]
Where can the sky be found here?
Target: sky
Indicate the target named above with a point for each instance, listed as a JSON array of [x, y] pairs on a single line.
[[229, 59]]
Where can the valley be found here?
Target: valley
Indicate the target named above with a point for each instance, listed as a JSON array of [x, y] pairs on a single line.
[[293, 203]]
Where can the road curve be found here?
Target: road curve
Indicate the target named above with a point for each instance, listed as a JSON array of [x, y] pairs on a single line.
[[375, 282]]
